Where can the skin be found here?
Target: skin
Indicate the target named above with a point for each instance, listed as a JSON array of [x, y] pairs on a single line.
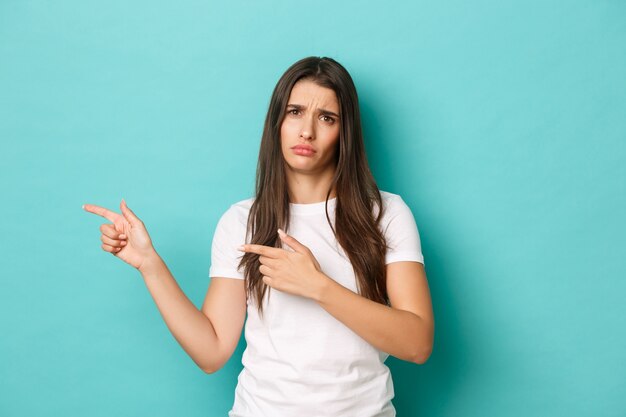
[[126, 236], [224, 309]]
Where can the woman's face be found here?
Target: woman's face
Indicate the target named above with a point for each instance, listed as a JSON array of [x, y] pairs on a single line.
[[309, 133]]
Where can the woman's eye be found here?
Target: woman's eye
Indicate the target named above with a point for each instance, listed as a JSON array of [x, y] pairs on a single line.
[[328, 119], [293, 111]]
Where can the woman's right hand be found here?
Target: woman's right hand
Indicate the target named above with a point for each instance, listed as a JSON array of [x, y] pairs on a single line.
[[126, 236]]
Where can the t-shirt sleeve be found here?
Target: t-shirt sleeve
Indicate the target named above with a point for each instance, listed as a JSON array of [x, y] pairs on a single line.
[[401, 233], [229, 234]]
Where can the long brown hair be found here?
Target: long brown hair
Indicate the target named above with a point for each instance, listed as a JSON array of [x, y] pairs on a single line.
[[356, 226]]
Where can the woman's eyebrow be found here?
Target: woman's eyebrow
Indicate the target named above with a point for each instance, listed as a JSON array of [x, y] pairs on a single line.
[[322, 111]]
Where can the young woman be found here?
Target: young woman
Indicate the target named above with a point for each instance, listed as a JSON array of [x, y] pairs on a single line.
[[328, 268]]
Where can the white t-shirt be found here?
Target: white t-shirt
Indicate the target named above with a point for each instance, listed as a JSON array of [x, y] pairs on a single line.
[[300, 360]]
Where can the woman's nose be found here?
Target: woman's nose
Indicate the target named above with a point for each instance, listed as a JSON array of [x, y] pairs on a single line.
[[305, 134], [306, 131]]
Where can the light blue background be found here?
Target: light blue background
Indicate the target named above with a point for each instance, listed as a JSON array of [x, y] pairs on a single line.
[[501, 124]]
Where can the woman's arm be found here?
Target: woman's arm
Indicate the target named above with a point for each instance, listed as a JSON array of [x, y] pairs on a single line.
[[209, 336], [405, 330]]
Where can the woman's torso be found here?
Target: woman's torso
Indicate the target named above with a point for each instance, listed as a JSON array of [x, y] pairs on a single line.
[[300, 360]]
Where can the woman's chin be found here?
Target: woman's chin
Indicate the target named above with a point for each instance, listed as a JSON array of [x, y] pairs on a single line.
[[306, 165]]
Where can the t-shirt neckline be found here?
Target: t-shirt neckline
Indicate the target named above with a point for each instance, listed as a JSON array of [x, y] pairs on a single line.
[[312, 208]]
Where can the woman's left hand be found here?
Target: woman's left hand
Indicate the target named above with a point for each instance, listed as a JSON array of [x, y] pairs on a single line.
[[296, 273]]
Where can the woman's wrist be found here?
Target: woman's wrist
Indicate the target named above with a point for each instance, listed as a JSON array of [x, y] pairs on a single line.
[[325, 284], [150, 264]]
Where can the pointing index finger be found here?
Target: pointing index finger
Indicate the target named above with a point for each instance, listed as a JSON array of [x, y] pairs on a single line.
[[101, 211], [261, 250]]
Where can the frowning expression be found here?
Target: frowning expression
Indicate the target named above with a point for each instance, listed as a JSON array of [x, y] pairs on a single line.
[[309, 132]]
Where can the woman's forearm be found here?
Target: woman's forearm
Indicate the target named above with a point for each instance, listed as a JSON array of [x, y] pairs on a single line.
[[400, 333], [189, 326]]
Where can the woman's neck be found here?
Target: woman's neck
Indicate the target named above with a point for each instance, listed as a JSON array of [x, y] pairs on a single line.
[[308, 189]]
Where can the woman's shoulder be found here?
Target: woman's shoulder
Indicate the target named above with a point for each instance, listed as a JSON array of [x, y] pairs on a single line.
[[238, 211], [391, 201], [243, 204], [386, 195]]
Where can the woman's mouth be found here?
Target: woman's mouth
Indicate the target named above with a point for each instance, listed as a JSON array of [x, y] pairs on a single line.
[[303, 150]]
